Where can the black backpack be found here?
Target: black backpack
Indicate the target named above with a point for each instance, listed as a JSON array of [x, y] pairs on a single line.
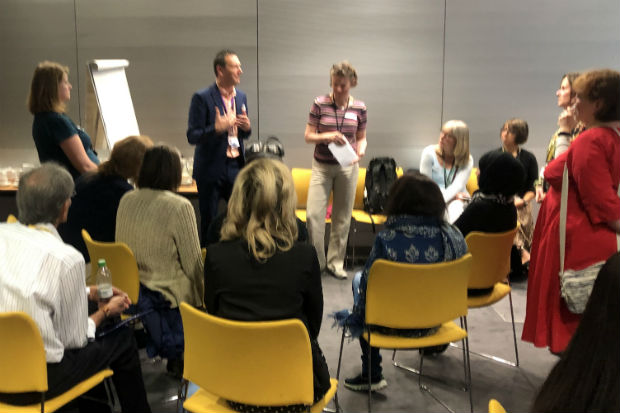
[[380, 176]]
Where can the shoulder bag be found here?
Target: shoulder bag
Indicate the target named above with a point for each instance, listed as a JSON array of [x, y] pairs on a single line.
[[576, 285]]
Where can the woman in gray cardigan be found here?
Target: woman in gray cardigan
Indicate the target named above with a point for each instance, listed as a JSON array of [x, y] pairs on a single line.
[[160, 228]]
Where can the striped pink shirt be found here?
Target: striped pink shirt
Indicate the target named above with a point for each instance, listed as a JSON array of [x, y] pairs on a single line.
[[327, 118]]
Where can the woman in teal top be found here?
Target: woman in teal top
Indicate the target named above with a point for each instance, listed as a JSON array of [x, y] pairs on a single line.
[[55, 135]]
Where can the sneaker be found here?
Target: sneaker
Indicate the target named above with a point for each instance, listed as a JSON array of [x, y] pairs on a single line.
[[360, 383], [340, 274]]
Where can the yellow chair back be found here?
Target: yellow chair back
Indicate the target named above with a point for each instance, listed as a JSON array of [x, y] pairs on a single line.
[[496, 407], [120, 261], [22, 355], [359, 189], [401, 295], [472, 182], [491, 253], [261, 363], [11, 219], [301, 178]]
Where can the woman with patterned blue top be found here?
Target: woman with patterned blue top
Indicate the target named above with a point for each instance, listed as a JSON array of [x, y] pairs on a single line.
[[415, 232], [55, 135]]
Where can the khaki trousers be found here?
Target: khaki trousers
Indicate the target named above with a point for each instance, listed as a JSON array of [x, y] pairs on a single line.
[[343, 182]]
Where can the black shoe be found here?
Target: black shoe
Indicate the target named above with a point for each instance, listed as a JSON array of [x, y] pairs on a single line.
[[360, 383], [434, 350], [174, 367]]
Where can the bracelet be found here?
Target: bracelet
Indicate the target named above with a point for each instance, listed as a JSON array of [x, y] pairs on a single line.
[[563, 134]]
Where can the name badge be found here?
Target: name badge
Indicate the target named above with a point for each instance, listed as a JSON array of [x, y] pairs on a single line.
[[233, 142], [350, 115]]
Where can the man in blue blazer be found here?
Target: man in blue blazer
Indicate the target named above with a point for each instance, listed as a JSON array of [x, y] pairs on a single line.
[[217, 125]]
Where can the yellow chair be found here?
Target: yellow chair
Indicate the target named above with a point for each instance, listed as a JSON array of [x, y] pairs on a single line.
[[301, 179], [496, 407], [121, 262], [266, 363], [472, 182], [24, 369], [11, 219], [490, 268], [412, 296]]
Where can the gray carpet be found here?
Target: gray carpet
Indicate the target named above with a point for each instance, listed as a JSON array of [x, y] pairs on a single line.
[[489, 330]]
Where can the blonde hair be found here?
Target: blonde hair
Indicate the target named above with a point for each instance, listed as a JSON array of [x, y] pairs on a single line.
[[343, 69], [43, 96], [460, 131], [261, 209]]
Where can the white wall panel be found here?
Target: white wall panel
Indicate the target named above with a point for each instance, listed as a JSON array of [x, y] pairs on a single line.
[[506, 59], [396, 48], [170, 46], [502, 59], [30, 31]]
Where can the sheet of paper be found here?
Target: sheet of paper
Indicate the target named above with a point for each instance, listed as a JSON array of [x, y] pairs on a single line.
[[344, 154]]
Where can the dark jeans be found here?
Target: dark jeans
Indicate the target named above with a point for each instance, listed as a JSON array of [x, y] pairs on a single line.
[[117, 351], [210, 191], [375, 359], [375, 356]]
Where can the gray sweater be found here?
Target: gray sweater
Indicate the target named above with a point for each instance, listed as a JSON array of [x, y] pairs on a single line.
[[160, 228]]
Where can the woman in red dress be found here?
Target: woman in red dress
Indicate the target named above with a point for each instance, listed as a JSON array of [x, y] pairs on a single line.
[[593, 213]]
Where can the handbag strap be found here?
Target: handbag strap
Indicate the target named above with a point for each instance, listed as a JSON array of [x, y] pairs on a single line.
[[563, 206], [617, 130], [563, 211]]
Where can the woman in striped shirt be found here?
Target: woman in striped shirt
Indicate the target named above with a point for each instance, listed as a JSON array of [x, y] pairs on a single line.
[[338, 118]]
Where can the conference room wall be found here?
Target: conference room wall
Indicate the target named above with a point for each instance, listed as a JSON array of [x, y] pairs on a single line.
[[30, 31], [502, 59], [506, 58]]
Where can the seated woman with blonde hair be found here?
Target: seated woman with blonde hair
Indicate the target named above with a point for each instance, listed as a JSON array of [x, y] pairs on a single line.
[[258, 271], [449, 165]]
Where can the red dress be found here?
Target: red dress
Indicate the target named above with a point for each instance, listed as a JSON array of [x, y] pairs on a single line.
[[593, 161]]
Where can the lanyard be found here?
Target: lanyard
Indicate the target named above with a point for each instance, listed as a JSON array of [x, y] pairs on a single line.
[[449, 178], [339, 127], [232, 104]]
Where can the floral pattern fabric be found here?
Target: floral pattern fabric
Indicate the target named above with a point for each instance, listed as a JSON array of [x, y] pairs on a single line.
[[408, 239]]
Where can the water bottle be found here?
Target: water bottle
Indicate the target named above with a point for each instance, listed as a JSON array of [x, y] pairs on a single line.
[[104, 281]]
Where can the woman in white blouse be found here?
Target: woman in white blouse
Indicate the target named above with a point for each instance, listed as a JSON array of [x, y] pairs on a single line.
[[449, 164]]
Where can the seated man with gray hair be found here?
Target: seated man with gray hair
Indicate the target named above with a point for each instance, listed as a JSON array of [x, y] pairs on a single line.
[[44, 277]]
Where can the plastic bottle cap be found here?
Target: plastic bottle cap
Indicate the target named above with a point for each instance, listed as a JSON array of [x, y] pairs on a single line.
[[101, 262]]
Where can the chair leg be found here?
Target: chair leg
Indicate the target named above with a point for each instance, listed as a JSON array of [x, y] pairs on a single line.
[[425, 388], [354, 242], [496, 358], [514, 333], [467, 361], [369, 374], [464, 366], [344, 329], [108, 392], [418, 372]]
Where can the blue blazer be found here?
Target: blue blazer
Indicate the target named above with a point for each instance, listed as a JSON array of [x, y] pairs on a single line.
[[210, 153]]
